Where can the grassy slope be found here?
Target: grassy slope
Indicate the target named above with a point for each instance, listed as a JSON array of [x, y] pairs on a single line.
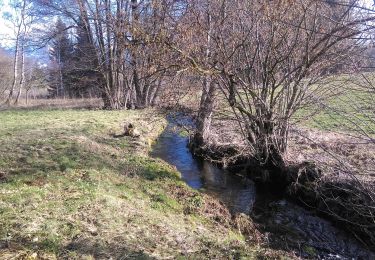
[[345, 104], [350, 109], [69, 189]]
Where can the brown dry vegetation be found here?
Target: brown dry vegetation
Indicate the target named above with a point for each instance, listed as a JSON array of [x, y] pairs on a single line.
[[55, 103], [69, 189], [342, 184], [340, 155]]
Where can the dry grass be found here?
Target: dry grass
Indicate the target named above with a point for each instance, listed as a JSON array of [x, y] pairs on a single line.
[[345, 190], [61, 103], [342, 154], [69, 189]]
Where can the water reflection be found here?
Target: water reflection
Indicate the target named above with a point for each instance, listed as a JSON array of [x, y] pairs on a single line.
[[304, 227], [239, 195]]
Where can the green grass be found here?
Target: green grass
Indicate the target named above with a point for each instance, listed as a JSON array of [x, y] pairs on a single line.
[[350, 108], [70, 189], [341, 103]]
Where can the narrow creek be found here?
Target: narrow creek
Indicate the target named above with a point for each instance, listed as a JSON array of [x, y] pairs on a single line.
[[286, 225]]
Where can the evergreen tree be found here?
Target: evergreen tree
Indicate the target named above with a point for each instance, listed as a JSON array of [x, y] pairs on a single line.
[[61, 55], [85, 77]]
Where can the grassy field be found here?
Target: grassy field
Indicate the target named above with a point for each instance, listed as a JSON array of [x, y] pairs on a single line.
[[347, 105], [71, 189]]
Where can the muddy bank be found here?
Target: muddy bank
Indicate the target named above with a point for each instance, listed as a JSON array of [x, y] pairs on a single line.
[[328, 172], [346, 201], [283, 224]]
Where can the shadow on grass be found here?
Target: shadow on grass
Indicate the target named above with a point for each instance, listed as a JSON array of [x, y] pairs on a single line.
[[117, 250], [78, 249], [118, 135]]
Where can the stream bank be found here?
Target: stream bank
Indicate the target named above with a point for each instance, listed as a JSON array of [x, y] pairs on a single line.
[[284, 224], [71, 188]]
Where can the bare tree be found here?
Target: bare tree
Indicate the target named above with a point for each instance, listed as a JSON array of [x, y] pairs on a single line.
[[20, 26], [267, 59]]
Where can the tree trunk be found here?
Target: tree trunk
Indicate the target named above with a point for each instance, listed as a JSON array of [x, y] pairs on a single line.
[[22, 80], [207, 99], [206, 107], [109, 57], [137, 87], [106, 100], [16, 53], [27, 96], [15, 72]]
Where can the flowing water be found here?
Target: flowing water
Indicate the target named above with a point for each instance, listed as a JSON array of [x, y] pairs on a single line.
[[236, 192], [286, 224]]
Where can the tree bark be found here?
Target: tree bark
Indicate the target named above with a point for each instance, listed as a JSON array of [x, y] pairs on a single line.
[[16, 54], [15, 71], [206, 107], [22, 80], [207, 99]]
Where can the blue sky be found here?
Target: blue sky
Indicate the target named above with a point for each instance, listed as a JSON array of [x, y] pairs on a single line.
[[7, 28]]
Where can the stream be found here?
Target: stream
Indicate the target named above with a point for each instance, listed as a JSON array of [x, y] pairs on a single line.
[[285, 224]]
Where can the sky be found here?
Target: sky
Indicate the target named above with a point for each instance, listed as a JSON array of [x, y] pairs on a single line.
[[7, 29]]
